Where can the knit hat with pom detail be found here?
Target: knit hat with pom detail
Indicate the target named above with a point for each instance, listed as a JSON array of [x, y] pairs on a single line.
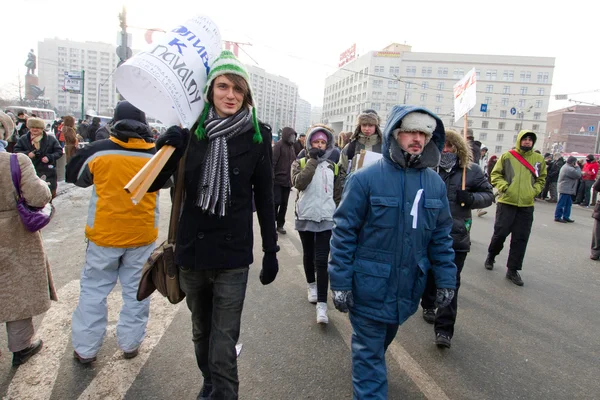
[[226, 63]]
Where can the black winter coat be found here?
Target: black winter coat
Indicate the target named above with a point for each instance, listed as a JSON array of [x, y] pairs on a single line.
[[49, 147], [283, 157], [483, 195], [207, 241]]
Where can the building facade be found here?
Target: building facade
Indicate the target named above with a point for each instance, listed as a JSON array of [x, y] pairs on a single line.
[[316, 115], [276, 98], [515, 90], [302, 116], [573, 129], [98, 60]]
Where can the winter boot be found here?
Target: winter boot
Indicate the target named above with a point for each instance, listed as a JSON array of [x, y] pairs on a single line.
[[21, 357], [513, 276], [489, 262]]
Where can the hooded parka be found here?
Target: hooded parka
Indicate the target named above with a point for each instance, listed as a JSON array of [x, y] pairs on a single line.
[[283, 157]]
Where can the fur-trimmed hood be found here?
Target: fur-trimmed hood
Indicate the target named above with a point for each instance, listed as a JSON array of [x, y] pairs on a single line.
[[367, 118], [463, 151], [69, 121], [319, 128]]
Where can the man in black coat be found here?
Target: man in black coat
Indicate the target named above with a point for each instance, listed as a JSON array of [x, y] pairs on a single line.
[[478, 194], [283, 157]]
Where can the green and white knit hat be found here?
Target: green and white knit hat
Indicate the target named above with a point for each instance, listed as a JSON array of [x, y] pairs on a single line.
[[226, 63]]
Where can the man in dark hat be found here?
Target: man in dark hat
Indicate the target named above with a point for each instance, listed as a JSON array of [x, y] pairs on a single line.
[[299, 144]]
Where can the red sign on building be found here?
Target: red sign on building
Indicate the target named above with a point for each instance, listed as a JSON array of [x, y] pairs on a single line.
[[348, 55]]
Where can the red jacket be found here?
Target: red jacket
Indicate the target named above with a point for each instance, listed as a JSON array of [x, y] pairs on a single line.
[[590, 170]]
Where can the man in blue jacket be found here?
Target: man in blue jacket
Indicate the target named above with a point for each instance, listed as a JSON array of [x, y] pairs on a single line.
[[392, 226]]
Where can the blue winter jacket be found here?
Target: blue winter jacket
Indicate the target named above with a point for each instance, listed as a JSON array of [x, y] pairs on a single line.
[[375, 251]]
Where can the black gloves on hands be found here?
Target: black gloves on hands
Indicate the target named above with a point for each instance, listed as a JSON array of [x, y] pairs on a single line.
[[174, 136], [443, 297], [270, 267], [464, 197], [342, 300], [316, 153]]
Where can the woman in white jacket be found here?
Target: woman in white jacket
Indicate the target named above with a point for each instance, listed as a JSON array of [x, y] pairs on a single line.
[[319, 191]]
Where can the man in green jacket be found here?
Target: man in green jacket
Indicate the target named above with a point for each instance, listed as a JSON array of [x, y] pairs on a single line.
[[519, 176]]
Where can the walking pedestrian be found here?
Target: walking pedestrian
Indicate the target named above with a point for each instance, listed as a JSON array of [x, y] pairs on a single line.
[[43, 150], [552, 179], [567, 184], [121, 236], [392, 226], [283, 157], [26, 287], [478, 194], [319, 191], [70, 134], [519, 176], [215, 236], [589, 173]]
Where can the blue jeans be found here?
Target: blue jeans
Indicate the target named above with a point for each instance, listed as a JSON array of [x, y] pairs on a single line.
[[563, 207], [216, 298]]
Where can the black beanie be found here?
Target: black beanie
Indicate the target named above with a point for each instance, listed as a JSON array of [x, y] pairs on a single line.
[[126, 110]]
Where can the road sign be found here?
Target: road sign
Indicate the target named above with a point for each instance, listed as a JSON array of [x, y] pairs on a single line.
[[465, 95], [591, 128], [73, 74], [560, 97], [513, 111], [483, 108]]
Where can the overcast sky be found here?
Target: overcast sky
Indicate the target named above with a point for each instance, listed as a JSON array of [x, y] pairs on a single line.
[[302, 40]]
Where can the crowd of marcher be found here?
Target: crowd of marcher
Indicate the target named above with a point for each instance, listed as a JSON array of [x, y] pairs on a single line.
[[384, 236]]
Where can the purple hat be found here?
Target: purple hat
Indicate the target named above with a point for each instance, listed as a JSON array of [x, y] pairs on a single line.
[[318, 136]]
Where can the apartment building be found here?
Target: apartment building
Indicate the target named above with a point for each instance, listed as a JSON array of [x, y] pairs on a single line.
[[302, 116], [573, 129], [276, 98], [98, 60], [514, 89]]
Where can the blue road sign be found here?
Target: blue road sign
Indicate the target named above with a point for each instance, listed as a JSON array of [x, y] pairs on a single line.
[[513, 111], [483, 108], [591, 128]]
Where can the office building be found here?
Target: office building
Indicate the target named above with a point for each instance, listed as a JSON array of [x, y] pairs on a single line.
[[573, 129], [303, 111]]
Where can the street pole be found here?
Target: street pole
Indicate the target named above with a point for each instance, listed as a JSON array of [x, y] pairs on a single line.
[[123, 20], [82, 93]]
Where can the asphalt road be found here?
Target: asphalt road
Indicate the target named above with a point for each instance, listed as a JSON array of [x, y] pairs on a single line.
[[539, 341]]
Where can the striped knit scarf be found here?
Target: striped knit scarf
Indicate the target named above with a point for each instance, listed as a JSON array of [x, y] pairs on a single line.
[[214, 189]]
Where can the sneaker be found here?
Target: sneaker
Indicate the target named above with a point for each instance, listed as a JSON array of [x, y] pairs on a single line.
[[595, 258], [560, 220], [83, 360], [489, 262], [205, 392], [568, 220], [131, 354], [442, 340], [312, 292], [513, 276], [22, 356], [281, 230], [429, 315], [322, 313], [481, 213]]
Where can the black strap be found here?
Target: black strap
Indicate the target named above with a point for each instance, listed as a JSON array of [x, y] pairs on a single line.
[[178, 197], [351, 150]]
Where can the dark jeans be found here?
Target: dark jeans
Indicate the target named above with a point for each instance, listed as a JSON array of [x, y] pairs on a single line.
[[587, 188], [216, 298], [596, 239], [281, 195], [315, 246], [514, 221], [445, 318], [552, 189], [563, 208]]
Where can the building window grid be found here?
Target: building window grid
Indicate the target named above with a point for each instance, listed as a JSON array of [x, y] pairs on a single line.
[[501, 125]]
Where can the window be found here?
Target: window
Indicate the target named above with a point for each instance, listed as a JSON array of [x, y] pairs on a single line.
[[539, 103], [502, 113], [501, 125], [470, 122], [525, 76], [508, 76], [498, 149], [489, 88], [440, 86], [376, 106], [506, 90], [517, 127], [515, 138], [483, 136], [393, 84], [426, 71], [442, 71], [411, 71], [535, 127], [390, 94], [423, 97], [491, 75], [500, 137], [394, 70], [523, 90], [542, 77], [522, 103], [407, 96], [484, 124], [488, 101], [438, 110], [458, 73], [425, 85], [439, 98], [505, 101], [541, 91], [377, 83], [408, 85], [537, 115]]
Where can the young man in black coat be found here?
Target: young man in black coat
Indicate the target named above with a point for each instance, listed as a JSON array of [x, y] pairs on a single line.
[[283, 157]]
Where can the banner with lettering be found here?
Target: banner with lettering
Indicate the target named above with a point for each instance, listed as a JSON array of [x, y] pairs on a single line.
[[465, 94], [167, 79]]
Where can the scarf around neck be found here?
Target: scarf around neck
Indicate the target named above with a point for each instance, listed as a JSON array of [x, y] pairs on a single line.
[[448, 161], [214, 189], [35, 140]]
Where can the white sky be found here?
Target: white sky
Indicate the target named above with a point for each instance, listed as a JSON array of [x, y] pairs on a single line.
[[302, 40]]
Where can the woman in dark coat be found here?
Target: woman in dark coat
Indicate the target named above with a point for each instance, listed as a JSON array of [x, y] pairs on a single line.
[[229, 158], [43, 150]]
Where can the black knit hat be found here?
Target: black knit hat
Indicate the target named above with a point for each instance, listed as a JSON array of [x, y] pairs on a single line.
[[126, 110]]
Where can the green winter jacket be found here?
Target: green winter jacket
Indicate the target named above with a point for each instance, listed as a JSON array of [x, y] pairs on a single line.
[[515, 183]]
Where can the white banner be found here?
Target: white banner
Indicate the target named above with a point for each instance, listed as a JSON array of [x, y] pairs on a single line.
[[465, 94], [167, 80]]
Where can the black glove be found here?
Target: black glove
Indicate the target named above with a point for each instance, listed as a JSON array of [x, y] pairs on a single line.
[[443, 297], [270, 267], [343, 300], [464, 197], [174, 136], [316, 153]]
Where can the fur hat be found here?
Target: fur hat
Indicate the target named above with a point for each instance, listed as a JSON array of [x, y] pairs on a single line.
[[35, 123], [417, 122], [69, 121], [369, 117], [8, 125]]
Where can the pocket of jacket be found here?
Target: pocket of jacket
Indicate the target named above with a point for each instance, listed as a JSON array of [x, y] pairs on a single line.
[[432, 210], [384, 211], [369, 283], [420, 282]]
